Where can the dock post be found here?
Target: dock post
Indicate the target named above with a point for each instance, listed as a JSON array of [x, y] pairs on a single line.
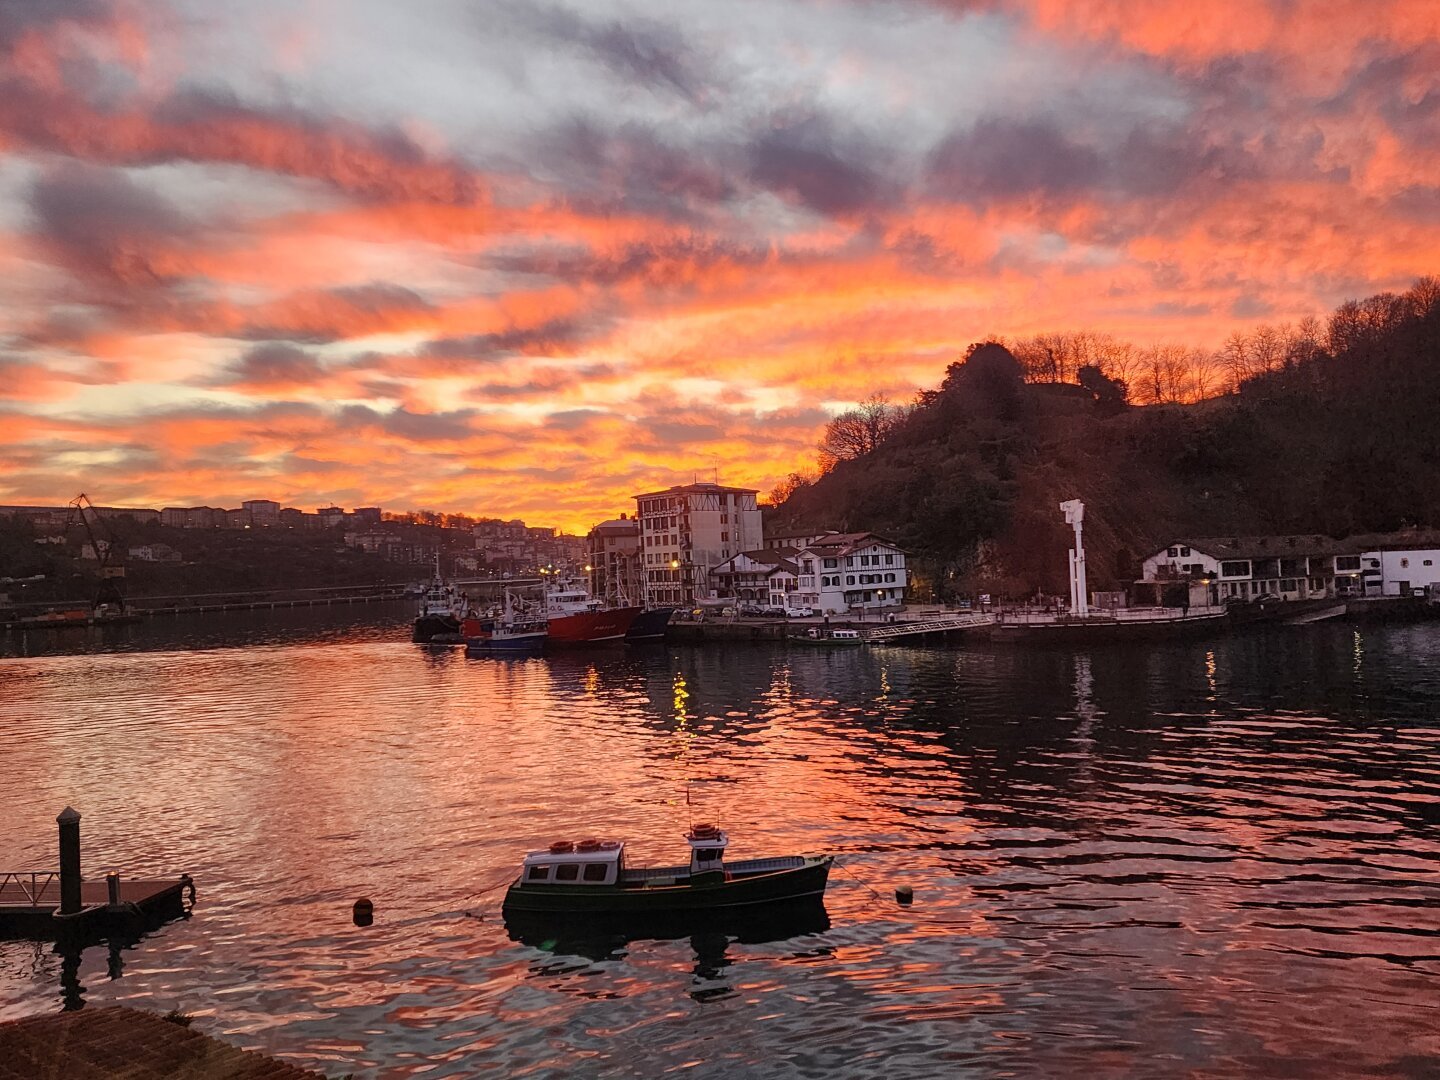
[[69, 822], [112, 888]]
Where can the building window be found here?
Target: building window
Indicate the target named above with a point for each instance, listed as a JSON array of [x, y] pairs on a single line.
[[889, 577], [567, 872], [831, 564], [1184, 553], [1287, 585], [1404, 564], [724, 537], [849, 579], [596, 871], [1347, 562], [1235, 569], [1173, 553], [889, 560], [1427, 562]]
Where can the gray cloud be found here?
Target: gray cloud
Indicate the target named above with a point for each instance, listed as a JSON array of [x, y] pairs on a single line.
[[273, 364], [812, 162], [642, 51], [102, 224]]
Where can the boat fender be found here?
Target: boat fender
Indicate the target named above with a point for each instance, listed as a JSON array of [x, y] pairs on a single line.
[[905, 894], [609, 845], [588, 845], [364, 912]]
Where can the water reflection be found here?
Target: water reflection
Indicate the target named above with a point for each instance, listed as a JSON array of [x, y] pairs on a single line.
[[1198, 856]]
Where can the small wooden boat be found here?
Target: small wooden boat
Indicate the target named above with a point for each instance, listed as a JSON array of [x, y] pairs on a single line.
[[819, 636], [590, 878]]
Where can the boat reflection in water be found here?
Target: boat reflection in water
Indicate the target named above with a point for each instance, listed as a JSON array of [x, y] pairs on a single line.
[[606, 937]]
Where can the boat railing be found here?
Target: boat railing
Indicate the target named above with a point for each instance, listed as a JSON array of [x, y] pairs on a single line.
[[647, 873], [760, 866], [31, 884]]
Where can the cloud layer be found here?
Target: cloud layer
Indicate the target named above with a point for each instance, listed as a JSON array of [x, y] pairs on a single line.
[[529, 259]]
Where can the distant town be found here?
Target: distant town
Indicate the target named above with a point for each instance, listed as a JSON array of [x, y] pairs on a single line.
[[705, 546]]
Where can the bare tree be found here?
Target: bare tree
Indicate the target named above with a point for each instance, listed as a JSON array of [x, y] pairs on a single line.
[[856, 432]]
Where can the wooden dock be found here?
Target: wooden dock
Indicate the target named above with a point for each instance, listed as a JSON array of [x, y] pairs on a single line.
[[30, 904], [61, 904]]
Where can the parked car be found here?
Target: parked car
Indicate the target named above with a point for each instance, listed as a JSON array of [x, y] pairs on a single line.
[[773, 612], [751, 611], [798, 612]]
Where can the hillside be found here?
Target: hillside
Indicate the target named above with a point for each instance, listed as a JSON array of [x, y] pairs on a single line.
[[1340, 440]]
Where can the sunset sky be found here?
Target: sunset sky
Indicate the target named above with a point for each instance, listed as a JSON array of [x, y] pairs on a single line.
[[531, 258]]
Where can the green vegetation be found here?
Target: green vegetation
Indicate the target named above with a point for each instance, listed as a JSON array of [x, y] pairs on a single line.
[[1325, 430]]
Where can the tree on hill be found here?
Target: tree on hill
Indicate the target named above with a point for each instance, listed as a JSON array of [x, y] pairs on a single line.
[[1288, 429], [858, 431]]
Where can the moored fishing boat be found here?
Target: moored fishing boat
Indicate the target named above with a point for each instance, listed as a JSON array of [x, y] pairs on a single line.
[[517, 627], [590, 877], [577, 618], [649, 625], [442, 609]]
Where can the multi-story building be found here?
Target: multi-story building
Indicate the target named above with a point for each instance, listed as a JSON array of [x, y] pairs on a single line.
[[768, 577], [612, 560], [844, 571], [264, 513], [686, 530]]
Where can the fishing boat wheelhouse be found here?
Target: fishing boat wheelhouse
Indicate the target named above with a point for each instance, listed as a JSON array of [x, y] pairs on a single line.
[[590, 877]]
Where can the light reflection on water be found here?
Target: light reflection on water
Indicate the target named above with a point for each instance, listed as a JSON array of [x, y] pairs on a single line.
[[1215, 858]]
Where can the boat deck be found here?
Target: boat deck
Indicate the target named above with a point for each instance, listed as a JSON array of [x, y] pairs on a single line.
[[670, 875]]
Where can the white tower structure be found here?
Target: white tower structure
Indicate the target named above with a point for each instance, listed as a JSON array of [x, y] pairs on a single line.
[[1079, 596]]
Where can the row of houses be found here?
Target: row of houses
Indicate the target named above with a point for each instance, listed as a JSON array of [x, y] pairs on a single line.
[[697, 542], [266, 514], [1215, 570]]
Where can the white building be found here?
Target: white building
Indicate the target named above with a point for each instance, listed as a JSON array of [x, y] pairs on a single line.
[[844, 571], [768, 577], [686, 530], [1407, 571], [1213, 570]]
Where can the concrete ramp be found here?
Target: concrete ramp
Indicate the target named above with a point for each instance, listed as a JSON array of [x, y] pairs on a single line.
[[1334, 611]]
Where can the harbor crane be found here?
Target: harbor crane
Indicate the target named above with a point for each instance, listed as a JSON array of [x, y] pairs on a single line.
[[110, 556]]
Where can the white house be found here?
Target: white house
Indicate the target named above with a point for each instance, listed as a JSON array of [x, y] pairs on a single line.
[[841, 571], [1407, 571], [1212, 570], [767, 577]]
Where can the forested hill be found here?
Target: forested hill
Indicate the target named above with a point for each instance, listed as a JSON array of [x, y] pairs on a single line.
[[1341, 438]]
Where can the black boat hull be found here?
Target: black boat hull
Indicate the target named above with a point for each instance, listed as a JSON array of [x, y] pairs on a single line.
[[747, 892], [436, 630]]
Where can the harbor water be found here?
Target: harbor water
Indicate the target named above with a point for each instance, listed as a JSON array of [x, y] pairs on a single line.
[[1211, 858]]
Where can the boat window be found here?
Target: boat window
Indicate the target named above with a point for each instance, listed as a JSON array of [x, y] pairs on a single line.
[[707, 854], [596, 871], [567, 872], [538, 873]]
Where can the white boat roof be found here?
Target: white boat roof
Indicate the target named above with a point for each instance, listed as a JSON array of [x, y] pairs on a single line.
[[547, 856]]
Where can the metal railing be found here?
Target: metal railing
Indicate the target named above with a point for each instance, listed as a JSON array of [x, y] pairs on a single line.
[[31, 884]]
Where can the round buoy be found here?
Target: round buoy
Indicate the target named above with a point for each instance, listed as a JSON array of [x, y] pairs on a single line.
[[364, 912], [904, 894]]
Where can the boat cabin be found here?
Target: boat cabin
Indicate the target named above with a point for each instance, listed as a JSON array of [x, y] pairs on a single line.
[[845, 635], [586, 862], [707, 850]]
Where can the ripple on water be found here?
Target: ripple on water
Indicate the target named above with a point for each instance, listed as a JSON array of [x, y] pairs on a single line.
[[1220, 858]]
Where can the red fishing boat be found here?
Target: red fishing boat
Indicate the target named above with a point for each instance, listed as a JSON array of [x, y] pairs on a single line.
[[577, 618]]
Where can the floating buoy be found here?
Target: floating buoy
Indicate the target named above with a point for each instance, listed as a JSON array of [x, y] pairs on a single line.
[[905, 894], [364, 913]]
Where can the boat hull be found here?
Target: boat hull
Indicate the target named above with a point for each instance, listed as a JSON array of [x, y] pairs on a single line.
[[592, 627], [649, 625], [748, 891], [436, 630], [517, 643]]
